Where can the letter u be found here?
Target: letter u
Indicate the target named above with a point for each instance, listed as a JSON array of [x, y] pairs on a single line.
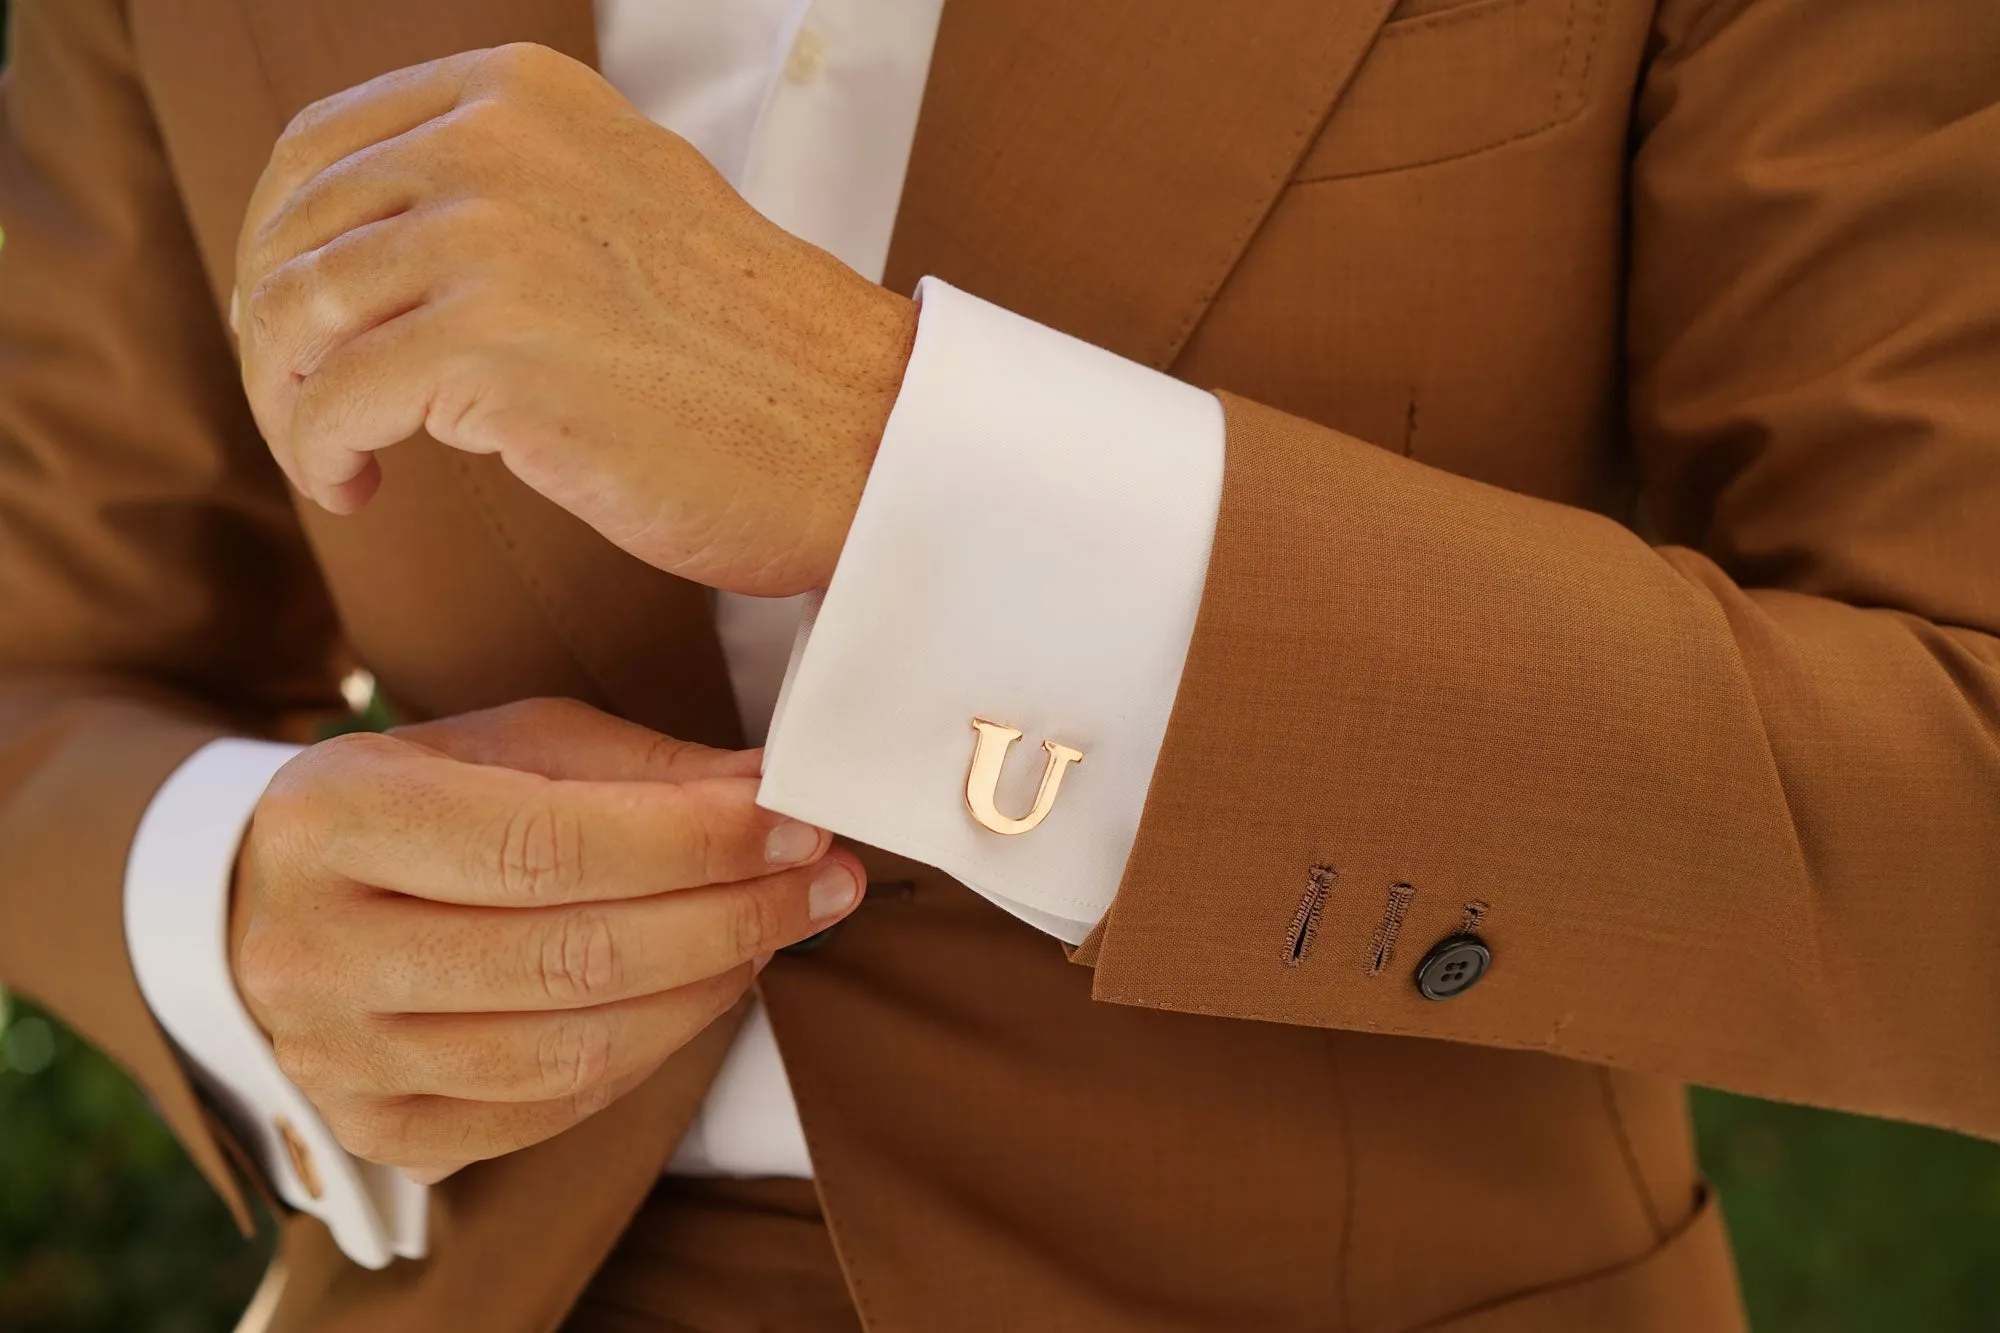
[[982, 783]]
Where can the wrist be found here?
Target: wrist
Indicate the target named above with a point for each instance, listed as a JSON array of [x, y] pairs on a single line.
[[884, 332]]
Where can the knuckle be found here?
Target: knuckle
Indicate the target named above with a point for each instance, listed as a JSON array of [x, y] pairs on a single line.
[[573, 1058], [374, 1131], [467, 391], [289, 800], [267, 966], [295, 144], [756, 921], [704, 846], [663, 752], [289, 786], [538, 858], [487, 120], [327, 301], [297, 817], [578, 961], [260, 257], [306, 1062], [282, 828], [302, 300], [517, 59], [268, 305]]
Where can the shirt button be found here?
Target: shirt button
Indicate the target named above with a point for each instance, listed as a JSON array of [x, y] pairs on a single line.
[[1453, 966], [808, 58]]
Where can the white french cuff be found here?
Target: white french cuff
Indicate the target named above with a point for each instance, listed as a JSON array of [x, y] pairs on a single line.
[[177, 881], [1030, 550]]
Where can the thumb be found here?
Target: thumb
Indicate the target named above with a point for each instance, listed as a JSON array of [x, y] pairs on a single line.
[[565, 739]]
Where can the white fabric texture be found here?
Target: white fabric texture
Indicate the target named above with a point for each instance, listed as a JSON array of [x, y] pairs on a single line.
[[1031, 549], [1061, 502], [748, 1124]]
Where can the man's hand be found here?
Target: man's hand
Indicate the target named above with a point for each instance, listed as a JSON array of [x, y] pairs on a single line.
[[467, 936], [497, 248]]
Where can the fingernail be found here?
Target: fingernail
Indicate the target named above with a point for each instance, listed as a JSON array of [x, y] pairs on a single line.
[[790, 843], [236, 311], [760, 962], [834, 891]]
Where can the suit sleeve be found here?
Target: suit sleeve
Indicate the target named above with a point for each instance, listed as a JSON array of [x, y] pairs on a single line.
[[1724, 804], [155, 591]]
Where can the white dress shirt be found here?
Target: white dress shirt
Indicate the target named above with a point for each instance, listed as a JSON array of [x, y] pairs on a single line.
[[1033, 540]]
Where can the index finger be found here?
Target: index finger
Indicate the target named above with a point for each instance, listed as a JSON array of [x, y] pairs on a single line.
[[562, 738], [345, 123], [423, 824]]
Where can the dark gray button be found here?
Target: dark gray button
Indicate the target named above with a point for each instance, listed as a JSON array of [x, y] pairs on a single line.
[[1453, 966]]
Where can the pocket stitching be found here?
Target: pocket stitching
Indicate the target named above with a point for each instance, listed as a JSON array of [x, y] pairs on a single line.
[[1447, 18], [1558, 117]]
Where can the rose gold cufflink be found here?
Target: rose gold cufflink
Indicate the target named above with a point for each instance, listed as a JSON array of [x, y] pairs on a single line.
[[302, 1159], [982, 783]]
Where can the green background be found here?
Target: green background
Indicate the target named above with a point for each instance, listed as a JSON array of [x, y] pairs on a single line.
[[1841, 1224]]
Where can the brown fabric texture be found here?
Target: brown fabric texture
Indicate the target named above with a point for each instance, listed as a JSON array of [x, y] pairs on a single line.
[[1734, 801], [152, 579], [721, 1256], [1609, 555], [556, 1208]]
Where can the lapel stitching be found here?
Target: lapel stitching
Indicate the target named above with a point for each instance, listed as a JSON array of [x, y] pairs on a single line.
[[1299, 141]]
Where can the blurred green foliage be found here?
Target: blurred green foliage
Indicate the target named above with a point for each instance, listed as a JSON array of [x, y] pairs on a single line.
[[1844, 1224], [105, 1227], [1841, 1224]]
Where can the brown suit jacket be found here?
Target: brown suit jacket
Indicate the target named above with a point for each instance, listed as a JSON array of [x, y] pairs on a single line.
[[1610, 546]]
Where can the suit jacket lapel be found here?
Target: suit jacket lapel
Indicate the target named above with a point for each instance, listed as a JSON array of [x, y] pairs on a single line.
[[1098, 165]]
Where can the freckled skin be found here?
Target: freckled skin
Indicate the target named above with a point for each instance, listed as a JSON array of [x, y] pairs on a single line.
[[466, 936], [497, 248]]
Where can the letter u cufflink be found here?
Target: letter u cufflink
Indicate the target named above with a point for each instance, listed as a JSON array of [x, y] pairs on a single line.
[[982, 781]]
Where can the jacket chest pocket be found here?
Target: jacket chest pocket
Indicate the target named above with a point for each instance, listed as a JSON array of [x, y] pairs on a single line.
[[1450, 78]]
